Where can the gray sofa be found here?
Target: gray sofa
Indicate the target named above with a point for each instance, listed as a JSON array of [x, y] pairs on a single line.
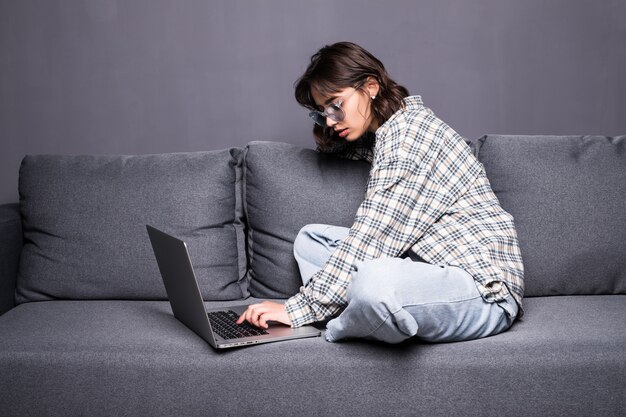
[[86, 329]]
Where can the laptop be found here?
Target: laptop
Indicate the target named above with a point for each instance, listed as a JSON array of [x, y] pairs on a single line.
[[217, 325]]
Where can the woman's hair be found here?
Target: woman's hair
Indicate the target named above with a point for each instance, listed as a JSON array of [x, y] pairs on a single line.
[[342, 65]]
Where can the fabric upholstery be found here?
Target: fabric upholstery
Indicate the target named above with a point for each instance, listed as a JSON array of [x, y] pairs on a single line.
[[74, 353], [568, 198], [10, 248], [103, 358], [84, 223], [287, 187]]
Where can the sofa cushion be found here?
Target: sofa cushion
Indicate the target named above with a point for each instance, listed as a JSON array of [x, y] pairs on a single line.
[[286, 188], [567, 195], [103, 358], [84, 222], [10, 248]]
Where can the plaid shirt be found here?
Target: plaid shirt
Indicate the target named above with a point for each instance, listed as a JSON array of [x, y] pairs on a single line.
[[426, 193]]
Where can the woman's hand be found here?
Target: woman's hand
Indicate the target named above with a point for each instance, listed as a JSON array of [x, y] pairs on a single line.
[[259, 314]]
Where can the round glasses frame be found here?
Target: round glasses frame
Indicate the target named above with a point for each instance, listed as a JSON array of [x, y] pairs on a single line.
[[333, 111]]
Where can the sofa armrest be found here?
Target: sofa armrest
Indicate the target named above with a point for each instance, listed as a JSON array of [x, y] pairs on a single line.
[[10, 249]]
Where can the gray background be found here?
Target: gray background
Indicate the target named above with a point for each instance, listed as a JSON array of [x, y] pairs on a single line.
[[152, 76]]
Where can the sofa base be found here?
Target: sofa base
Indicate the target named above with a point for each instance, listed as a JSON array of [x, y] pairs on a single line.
[[103, 358]]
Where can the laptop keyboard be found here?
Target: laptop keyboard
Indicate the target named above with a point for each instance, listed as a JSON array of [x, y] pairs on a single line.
[[224, 324]]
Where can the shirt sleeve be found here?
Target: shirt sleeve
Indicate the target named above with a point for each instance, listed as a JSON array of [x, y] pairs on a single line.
[[425, 166]]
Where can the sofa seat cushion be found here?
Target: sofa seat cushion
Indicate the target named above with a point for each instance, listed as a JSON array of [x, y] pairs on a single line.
[[85, 219], [566, 357]]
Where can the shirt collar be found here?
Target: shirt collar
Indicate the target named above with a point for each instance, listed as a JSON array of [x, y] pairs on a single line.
[[413, 102], [410, 103]]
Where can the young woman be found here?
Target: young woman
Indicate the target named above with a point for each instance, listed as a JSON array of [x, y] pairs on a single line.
[[431, 253]]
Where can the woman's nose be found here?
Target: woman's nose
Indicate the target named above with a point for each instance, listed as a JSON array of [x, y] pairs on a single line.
[[330, 122]]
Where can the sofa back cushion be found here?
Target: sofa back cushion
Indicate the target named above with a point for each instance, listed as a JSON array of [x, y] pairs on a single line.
[[286, 188], [84, 222], [567, 195]]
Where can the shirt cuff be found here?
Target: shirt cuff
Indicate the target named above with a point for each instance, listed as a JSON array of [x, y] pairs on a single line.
[[299, 311]]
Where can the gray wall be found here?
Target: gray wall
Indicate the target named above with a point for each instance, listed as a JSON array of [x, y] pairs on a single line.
[[150, 76]]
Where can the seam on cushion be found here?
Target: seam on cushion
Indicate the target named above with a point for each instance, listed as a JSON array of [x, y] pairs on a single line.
[[239, 225], [249, 233]]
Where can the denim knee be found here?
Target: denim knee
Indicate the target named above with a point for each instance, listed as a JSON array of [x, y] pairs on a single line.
[[303, 240], [368, 285], [318, 238], [374, 306]]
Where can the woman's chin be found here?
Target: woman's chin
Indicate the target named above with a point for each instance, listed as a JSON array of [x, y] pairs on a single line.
[[352, 136]]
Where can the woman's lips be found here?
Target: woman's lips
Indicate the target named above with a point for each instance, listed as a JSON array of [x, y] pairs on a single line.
[[343, 133]]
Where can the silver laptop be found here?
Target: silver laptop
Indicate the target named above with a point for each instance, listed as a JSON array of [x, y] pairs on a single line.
[[217, 326]]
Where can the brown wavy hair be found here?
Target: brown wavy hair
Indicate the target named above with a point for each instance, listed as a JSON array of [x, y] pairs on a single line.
[[342, 65]]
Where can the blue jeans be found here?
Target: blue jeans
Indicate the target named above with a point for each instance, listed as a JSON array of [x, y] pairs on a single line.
[[393, 299]]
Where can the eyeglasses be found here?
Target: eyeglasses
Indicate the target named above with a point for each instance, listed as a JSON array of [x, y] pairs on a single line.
[[333, 112]]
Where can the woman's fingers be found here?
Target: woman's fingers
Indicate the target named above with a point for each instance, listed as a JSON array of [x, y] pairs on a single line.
[[246, 316], [253, 315], [259, 314], [263, 321]]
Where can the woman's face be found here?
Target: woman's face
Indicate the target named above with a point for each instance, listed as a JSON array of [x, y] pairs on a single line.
[[357, 107]]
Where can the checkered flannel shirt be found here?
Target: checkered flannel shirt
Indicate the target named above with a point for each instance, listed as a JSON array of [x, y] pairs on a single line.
[[426, 193]]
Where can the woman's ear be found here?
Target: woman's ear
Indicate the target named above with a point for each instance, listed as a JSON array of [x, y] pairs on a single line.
[[372, 86]]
